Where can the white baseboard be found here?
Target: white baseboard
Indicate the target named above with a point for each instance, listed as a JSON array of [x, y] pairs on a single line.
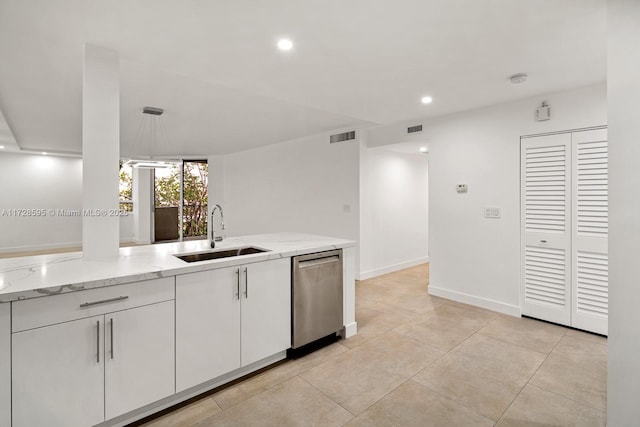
[[512, 310], [350, 330], [391, 268]]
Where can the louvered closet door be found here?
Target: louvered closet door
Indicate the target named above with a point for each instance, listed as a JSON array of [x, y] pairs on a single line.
[[590, 281], [546, 230]]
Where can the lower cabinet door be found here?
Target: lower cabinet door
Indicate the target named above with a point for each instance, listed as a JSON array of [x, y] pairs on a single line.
[[266, 309], [207, 325], [139, 357], [5, 364], [58, 375]]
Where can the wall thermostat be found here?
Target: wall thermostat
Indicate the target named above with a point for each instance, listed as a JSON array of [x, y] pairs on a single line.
[[462, 188]]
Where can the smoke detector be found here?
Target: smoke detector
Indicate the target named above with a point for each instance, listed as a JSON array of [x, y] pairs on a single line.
[[519, 78]]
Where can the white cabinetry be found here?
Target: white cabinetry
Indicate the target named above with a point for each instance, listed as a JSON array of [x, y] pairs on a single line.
[[266, 310], [207, 325], [230, 318], [139, 360], [57, 377], [79, 371], [5, 364]]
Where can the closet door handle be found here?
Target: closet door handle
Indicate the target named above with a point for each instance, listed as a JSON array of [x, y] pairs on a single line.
[[238, 283], [246, 283], [111, 327], [98, 341]]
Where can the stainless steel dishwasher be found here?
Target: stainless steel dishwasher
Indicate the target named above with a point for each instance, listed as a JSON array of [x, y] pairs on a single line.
[[317, 296]]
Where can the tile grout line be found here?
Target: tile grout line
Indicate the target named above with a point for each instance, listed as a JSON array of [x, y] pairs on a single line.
[[328, 397], [449, 398], [582, 403], [477, 332], [529, 379], [439, 393], [518, 345], [246, 381]]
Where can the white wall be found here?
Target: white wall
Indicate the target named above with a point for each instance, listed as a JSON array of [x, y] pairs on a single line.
[[306, 185], [394, 209], [302, 185], [43, 182], [473, 259], [624, 206], [40, 182]]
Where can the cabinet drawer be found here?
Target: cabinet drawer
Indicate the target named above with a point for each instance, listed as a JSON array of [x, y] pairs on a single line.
[[38, 312]]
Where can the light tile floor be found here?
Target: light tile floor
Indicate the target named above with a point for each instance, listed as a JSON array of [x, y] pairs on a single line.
[[419, 360]]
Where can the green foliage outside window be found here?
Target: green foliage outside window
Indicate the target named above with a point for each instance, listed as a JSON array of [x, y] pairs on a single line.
[[126, 192], [167, 194]]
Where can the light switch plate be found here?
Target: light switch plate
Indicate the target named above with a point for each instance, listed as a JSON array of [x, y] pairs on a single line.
[[462, 188], [492, 212]]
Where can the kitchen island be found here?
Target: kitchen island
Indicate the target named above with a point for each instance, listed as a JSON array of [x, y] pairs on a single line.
[[127, 337]]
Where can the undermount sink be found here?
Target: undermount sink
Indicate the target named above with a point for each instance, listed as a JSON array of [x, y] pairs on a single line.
[[220, 253]]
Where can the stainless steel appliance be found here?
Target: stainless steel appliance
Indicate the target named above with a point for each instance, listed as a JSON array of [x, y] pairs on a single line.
[[317, 296]]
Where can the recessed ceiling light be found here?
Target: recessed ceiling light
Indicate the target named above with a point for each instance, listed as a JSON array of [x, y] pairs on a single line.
[[426, 100], [44, 153], [423, 149], [285, 44], [518, 78], [1, 147]]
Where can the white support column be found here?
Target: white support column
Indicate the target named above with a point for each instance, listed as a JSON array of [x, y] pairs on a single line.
[[142, 199], [100, 153], [623, 91]]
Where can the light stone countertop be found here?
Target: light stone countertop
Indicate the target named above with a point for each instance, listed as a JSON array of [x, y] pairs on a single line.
[[36, 276]]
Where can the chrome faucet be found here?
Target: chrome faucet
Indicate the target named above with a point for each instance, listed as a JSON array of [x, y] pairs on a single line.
[[215, 238]]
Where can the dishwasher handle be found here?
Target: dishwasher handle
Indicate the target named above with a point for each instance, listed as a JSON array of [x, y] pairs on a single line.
[[318, 261]]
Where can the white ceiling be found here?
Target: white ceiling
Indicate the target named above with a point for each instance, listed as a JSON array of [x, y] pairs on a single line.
[[214, 68]]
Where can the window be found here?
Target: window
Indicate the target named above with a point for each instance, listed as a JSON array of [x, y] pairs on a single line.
[[194, 201], [180, 201], [126, 179]]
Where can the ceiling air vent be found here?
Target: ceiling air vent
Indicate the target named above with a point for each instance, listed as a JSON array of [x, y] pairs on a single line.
[[153, 111], [341, 137], [414, 129]]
